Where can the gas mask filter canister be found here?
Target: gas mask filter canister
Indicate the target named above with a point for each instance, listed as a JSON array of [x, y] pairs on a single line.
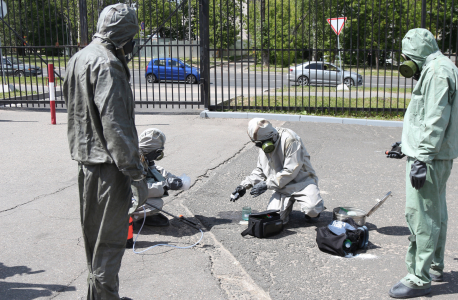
[[267, 146], [409, 68]]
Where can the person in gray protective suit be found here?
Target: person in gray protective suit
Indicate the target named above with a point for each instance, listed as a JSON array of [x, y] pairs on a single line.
[[151, 142], [430, 142], [284, 168], [103, 140]]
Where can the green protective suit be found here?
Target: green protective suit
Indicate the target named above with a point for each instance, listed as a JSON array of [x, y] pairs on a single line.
[[103, 140], [430, 135]]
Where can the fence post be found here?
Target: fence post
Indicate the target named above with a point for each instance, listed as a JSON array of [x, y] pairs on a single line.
[[83, 23], [52, 94], [423, 13], [204, 52]]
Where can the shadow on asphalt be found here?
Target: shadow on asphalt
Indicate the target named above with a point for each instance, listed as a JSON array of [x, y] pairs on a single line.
[[175, 229], [448, 287], [224, 217], [209, 222], [16, 290], [19, 121], [394, 230], [297, 220]]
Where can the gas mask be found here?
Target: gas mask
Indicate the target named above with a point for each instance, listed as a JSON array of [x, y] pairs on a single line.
[[409, 68], [129, 47], [155, 155], [267, 146]]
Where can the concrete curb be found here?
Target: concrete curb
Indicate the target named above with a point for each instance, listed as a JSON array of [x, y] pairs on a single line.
[[299, 118]]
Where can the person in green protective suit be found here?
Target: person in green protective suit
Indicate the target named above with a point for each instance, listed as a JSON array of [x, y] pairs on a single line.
[[430, 142], [103, 140]]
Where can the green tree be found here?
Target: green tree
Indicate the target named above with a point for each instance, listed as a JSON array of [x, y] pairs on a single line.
[[225, 20], [155, 15], [376, 27], [281, 29]]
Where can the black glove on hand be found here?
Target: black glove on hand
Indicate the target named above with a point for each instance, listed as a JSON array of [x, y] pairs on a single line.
[[418, 174], [395, 151], [259, 189], [239, 192], [174, 183]]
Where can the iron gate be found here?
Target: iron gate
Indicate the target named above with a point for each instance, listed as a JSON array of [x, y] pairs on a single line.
[[36, 33], [283, 55], [249, 54]]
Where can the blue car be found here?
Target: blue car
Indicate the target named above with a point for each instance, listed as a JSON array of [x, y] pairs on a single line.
[[171, 69]]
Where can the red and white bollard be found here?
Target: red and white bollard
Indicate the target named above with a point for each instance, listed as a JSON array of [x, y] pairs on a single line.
[[52, 94]]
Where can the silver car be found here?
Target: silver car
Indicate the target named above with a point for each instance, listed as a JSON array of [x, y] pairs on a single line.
[[323, 73]]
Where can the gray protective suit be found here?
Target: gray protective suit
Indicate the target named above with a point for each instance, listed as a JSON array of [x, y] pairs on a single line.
[[103, 140], [150, 140], [287, 170], [429, 135]]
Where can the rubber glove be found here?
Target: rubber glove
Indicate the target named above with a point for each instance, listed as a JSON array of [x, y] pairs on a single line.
[[239, 192], [259, 189], [395, 151], [174, 183], [418, 174]]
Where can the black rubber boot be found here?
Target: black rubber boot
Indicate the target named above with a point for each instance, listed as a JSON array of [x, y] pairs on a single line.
[[437, 278], [400, 291]]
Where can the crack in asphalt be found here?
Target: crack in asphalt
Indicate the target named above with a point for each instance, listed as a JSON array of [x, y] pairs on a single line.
[[245, 281], [206, 173], [37, 198]]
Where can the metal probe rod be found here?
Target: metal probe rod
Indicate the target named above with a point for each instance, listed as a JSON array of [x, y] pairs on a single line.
[[180, 218]]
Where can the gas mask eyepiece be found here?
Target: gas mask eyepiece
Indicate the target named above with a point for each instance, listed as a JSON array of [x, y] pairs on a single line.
[[155, 155], [267, 146], [409, 68], [129, 47]]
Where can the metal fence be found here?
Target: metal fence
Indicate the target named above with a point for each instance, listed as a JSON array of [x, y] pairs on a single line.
[[263, 55], [35, 33]]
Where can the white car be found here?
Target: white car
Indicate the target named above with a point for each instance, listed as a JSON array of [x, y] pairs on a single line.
[[323, 73]]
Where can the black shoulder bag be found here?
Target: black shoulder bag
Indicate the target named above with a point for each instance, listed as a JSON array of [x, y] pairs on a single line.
[[264, 224]]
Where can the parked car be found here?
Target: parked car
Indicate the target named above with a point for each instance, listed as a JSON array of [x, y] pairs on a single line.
[[171, 69], [319, 72], [389, 62], [13, 66]]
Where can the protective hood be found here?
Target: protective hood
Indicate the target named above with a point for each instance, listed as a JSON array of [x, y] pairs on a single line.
[[260, 129], [418, 44], [151, 139], [117, 24]]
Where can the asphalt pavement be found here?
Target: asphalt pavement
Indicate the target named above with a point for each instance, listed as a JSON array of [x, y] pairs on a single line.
[[42, 255]]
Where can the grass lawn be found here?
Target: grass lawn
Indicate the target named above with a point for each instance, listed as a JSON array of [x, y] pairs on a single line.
[[331, 106], [30, 80], [16, 94]]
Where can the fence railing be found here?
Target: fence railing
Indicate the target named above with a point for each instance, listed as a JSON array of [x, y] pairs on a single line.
[[262, 55]]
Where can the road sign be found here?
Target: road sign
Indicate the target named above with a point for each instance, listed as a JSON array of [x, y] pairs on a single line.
[[337, 24], [143, 25], [3, 10]]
